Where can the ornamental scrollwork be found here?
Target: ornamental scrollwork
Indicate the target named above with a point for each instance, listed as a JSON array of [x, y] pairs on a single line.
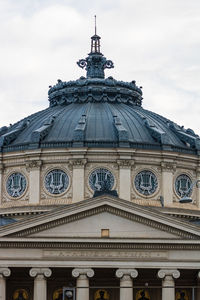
[[82, 63]]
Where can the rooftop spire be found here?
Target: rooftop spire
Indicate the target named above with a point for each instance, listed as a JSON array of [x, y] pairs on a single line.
[[95, 39], [95, 23], [95, 63]]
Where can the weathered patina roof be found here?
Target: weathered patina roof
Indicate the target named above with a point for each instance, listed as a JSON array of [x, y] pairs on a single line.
[[97, 112]]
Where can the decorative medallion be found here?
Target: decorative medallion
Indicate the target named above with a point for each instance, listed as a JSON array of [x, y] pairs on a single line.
[[58, 294], [56, 182], [101, 179], [16, 184], [146, 182], [142, 295], [182, 185], [20, 294], [101, 294]]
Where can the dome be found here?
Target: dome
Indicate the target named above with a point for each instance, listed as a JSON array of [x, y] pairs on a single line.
[[95, 136], [97, 112]]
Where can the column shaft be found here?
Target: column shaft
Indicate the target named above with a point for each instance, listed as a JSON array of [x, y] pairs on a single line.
[[126, 288], [168, 291], [2, 288], [82, 293], [78, 184], [40, 288]]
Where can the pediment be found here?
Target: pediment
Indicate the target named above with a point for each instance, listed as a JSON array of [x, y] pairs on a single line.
[[103, 224], [86, 219]]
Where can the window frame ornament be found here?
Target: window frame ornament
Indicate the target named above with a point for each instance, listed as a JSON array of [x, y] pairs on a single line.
[[20, 188], [92, 173], [141, 190], [48, 187], [177, 190]]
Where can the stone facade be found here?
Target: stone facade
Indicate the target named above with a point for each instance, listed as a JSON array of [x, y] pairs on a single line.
[[124, 164]]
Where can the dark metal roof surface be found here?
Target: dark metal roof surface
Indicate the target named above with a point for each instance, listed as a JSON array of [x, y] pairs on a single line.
[[97, 125]]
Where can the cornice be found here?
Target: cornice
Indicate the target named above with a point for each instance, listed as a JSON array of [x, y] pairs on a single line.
[[99, 245]]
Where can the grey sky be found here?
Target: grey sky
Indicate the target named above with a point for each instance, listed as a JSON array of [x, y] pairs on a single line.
[[156, 43]]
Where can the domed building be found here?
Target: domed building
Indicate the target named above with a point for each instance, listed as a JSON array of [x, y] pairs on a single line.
[[96, 196]]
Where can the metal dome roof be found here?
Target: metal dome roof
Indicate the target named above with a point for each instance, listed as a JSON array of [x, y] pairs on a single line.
[[97, 112]]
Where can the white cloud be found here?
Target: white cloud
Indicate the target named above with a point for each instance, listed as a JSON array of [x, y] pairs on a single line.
[[156, 42]]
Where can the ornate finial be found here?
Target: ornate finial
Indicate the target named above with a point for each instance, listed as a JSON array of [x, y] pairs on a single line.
[[95, 63]]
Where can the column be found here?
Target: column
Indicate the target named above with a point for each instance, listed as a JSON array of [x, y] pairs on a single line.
[[78, 179], [168, 284], [4, 272], [40, 283], [124, 179], [197, 187], [126, 283], [1, 182], [33, 167], [168, 170], [198, 289], [82, 282]]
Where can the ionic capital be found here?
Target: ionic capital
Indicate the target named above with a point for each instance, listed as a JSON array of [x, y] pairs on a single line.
[[87, 272], [132, 273], [5, 272], [40, 271], [167, 272]]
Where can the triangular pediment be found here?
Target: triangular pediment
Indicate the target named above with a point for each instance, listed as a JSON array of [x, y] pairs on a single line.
[[122, 220]]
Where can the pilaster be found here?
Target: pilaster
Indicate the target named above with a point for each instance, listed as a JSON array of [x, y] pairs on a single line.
[[1, 182], [125, 178], [168, 170], [78, 166], [198, 187], [33, 167]]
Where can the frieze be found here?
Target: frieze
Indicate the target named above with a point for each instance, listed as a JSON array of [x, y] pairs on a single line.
[[107, 255]]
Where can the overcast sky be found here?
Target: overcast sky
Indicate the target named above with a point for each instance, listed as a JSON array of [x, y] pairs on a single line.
[[155, 42]]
